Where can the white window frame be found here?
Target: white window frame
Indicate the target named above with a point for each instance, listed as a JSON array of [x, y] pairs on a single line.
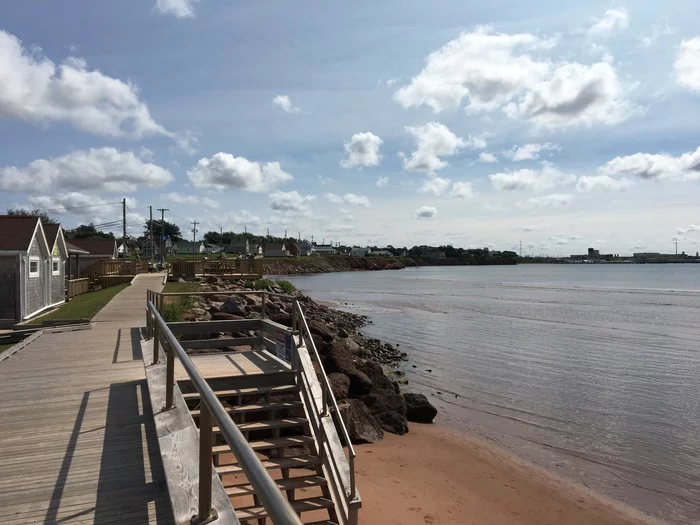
[[34, 275], [57, 262]]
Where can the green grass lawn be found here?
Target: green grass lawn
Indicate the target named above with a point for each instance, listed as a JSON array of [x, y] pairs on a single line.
[[84, 306], [176, 287], [5, 347]]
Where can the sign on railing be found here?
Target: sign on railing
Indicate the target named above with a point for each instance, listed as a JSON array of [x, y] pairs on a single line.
[[283, 338]]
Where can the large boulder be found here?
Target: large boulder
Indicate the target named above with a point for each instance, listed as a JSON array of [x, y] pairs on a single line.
[[234, 305], [340, 385], [321, 329], [419, 409], [359, 421], [339, 359], [282, 318], [389, 408]]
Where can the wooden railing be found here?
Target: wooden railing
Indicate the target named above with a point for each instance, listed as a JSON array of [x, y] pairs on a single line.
[[227, 267], [76, 287], [115, 267]]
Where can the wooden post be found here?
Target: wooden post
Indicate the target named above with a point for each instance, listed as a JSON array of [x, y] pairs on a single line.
[[264, 297], [156, 338], [205, 513]]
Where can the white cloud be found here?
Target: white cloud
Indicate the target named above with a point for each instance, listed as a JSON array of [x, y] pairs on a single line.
[[687, 65], [575, 94], [425, 212], [535, 227], [462, 190], [588, 183], [362, 150], [494, 71], [487, 158], [656, 166], [537, 180], [382, 182], [359, 201], [528, 151], [658, 29], [613, 20], [177, 8], [183, 198], [555, 200], [34, 89], [223, 171], [434, 185], [242, 218], [63, 202], [291, 202], [690, 228], [285, 103], [475, 142], [103, 169], [433, 140]]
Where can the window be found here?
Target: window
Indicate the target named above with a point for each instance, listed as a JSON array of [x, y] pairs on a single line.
[[34, 267], [55, 268]]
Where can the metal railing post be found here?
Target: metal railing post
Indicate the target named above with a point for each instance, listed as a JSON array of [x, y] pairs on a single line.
[[205, 513], [169, 377], [156, 341], [264, 298]]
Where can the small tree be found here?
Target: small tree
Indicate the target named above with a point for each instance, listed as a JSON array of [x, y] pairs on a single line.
[[36, 212], [88, 231], [169, 229]]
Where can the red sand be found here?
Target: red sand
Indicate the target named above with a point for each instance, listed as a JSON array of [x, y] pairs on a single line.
[[433, 475]]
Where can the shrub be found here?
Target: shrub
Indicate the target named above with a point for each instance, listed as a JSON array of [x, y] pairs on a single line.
[[172, 312], [249, 284], [286, 286], [262, 284]]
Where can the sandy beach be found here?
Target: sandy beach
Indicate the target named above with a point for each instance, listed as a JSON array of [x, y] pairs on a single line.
[[434, 475]]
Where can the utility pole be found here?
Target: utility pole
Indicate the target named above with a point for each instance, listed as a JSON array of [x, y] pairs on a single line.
[[162, 232], [150, 224], [521, 248], [221, 235], [124, 228], [676, 247], [194, 235]]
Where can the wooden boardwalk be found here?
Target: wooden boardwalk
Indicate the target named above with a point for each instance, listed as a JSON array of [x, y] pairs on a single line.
[[77, 437]]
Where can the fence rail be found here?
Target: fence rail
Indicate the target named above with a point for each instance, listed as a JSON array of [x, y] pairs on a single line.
[[75, 287], [227, 267], [300, 329], [212, 411], [108, 267]]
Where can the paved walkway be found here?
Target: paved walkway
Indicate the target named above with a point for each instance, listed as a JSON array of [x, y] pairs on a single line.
[[77, 441]]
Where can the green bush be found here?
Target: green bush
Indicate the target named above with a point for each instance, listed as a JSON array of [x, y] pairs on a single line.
[[262, 284], [286, 286], [250, 284], [172, 312]]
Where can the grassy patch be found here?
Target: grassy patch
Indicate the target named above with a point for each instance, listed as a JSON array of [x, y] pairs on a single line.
[[176, 287], [286, 286], [174, 307], [84, 306], [249, 284], [5, 347], [262, 284]]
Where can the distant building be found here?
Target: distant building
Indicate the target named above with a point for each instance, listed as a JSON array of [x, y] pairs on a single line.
[[212, 248], [185, 247], [276, 249], [324, 249], [435, 254], [293, 249], [359, 252], [98, 250], [306, 248], [646, 255], [593, 253], [239, 247], [382, 253]]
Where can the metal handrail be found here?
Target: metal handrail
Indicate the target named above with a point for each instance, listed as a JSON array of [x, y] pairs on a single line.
[[328, 395], [277, 507]]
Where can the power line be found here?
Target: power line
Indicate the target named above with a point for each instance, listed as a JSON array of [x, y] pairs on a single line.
[[80, 207]]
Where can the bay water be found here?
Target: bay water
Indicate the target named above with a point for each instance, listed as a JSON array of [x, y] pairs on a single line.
[[592, 371]]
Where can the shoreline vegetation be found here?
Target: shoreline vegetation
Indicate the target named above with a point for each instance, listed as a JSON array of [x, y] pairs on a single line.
[[339, 263]]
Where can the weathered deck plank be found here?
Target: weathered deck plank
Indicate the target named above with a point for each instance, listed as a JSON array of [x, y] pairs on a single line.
[[77, 435]]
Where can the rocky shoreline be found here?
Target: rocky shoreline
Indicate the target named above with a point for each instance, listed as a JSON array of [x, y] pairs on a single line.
[[362, 371]]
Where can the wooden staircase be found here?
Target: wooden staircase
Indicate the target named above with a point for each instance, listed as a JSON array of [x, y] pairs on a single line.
[[271, 414]]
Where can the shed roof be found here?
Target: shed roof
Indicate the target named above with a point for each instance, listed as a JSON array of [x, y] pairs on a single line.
[[16, 232], [96, 246], [274, 246], [73, 249]]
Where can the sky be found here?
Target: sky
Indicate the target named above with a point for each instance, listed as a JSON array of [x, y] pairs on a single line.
[[497, 123]]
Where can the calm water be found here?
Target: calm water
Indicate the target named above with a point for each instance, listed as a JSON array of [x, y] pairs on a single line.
[[591, 371]]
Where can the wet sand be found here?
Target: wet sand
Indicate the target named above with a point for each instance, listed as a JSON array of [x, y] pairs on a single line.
[[434, 475]]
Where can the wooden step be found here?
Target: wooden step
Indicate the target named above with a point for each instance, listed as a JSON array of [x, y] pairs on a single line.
[[283, 484], [261, 407], [267, 444], [270, 464], [272, 390], [301, 505], [264, 425]]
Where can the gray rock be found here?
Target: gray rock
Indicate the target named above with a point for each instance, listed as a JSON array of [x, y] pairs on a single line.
[[181, 280], [223, 316], [215, 306], [419, 409], [234, 305], [339, 359], [340, 385], [362, 426], [321, 329], [389, 409]]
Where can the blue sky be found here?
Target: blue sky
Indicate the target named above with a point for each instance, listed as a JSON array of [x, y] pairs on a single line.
[[394, 122]]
